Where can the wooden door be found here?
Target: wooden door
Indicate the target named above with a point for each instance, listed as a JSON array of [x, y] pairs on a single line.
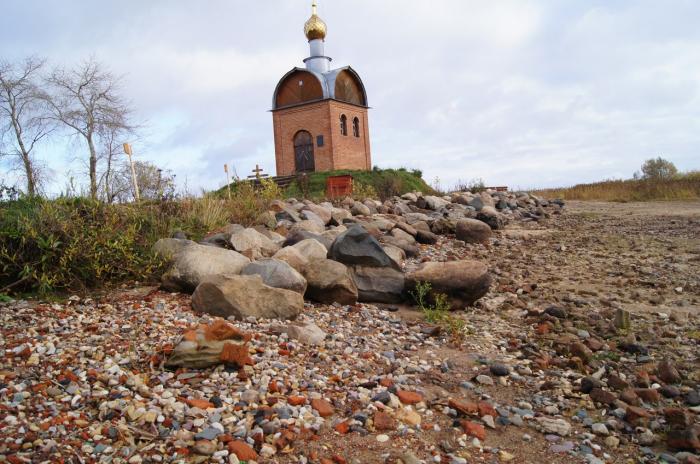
[[303, 152]]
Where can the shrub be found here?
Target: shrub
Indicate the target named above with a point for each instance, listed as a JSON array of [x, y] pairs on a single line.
[[658, 169], [74, 244]]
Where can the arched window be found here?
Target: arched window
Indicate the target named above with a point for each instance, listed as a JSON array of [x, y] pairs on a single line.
[[343, 124], [355, 127]]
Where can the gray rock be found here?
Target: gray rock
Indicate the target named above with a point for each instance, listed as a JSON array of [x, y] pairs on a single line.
[[309, 333], [435, 203], [168, 248], [293, 257], [195, 262], [252, 240], [493, 218], [472, 231], [311, 249], [245, 296], [329, 281], [309, 225], [357, 247], [277, 273], [358, 209], [379, 284]]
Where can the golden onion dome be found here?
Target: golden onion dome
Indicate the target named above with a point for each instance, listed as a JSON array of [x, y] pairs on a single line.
[[314, 27]]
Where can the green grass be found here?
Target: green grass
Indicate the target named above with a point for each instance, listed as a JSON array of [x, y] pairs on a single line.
[[382, 183], [681, 187], [77, 244]]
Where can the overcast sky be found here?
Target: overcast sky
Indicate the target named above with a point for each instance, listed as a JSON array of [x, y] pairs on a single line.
[[519, 93]]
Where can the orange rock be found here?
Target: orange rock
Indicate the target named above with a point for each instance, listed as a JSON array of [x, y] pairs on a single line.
[[383, 421], [199, 403], [485, 409], [190, 336], [326, 461], [339, 459], [409, 397], [236, 354], [342, 428], [324, 408], [473, 429], [386, 382], [296, 400], [465, 407], [283, 352], [242, 450], [222, 330]]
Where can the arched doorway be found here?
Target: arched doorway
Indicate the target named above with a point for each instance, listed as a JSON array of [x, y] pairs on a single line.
[[303, 152]]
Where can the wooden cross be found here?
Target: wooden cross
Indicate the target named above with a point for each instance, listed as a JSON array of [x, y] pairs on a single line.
[[257, 171]]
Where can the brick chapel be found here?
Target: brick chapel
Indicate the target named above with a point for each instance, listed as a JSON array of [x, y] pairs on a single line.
[[319, 114]]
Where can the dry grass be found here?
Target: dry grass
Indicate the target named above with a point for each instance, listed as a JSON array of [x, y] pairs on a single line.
[[682, 187]]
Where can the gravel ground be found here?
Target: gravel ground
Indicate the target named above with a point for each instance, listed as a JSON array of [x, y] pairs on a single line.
[[82, 380]]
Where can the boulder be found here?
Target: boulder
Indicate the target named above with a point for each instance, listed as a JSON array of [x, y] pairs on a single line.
[[472, 231], [293, 257], [358, 209], [311, 249], [220, 240], [402, 235], [379, 284], [321, 212], [443, 226], [252, 240], [410, 249], [195, 262], [168, 248], [277, 273], [315, 226], [242, 296], [426, 237], [396, 254], [339, 215], [493, 218], [463, 281], [435, 203], [300, 235], [329, 281], [357, 247]]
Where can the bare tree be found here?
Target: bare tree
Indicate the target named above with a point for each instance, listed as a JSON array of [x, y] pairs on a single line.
[[23, 117], [111, 184], [87, 100]]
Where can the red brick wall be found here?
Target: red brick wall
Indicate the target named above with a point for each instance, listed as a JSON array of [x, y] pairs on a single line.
[[322, 118]]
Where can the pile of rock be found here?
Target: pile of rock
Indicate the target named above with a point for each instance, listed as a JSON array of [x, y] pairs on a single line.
[[352, 252]]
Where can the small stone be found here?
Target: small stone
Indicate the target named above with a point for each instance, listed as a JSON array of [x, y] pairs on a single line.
[[600, 429], [242, 450], [473, 429], [382, 438], [612, 442], [484, 379], [409, 397], [499, 370], [323, 407], [383, 421], [205, 447]]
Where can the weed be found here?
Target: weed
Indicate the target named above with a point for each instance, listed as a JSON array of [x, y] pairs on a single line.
[[439, 311]]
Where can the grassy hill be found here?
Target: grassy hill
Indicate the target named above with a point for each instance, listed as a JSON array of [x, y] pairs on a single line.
[[382, 183]]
